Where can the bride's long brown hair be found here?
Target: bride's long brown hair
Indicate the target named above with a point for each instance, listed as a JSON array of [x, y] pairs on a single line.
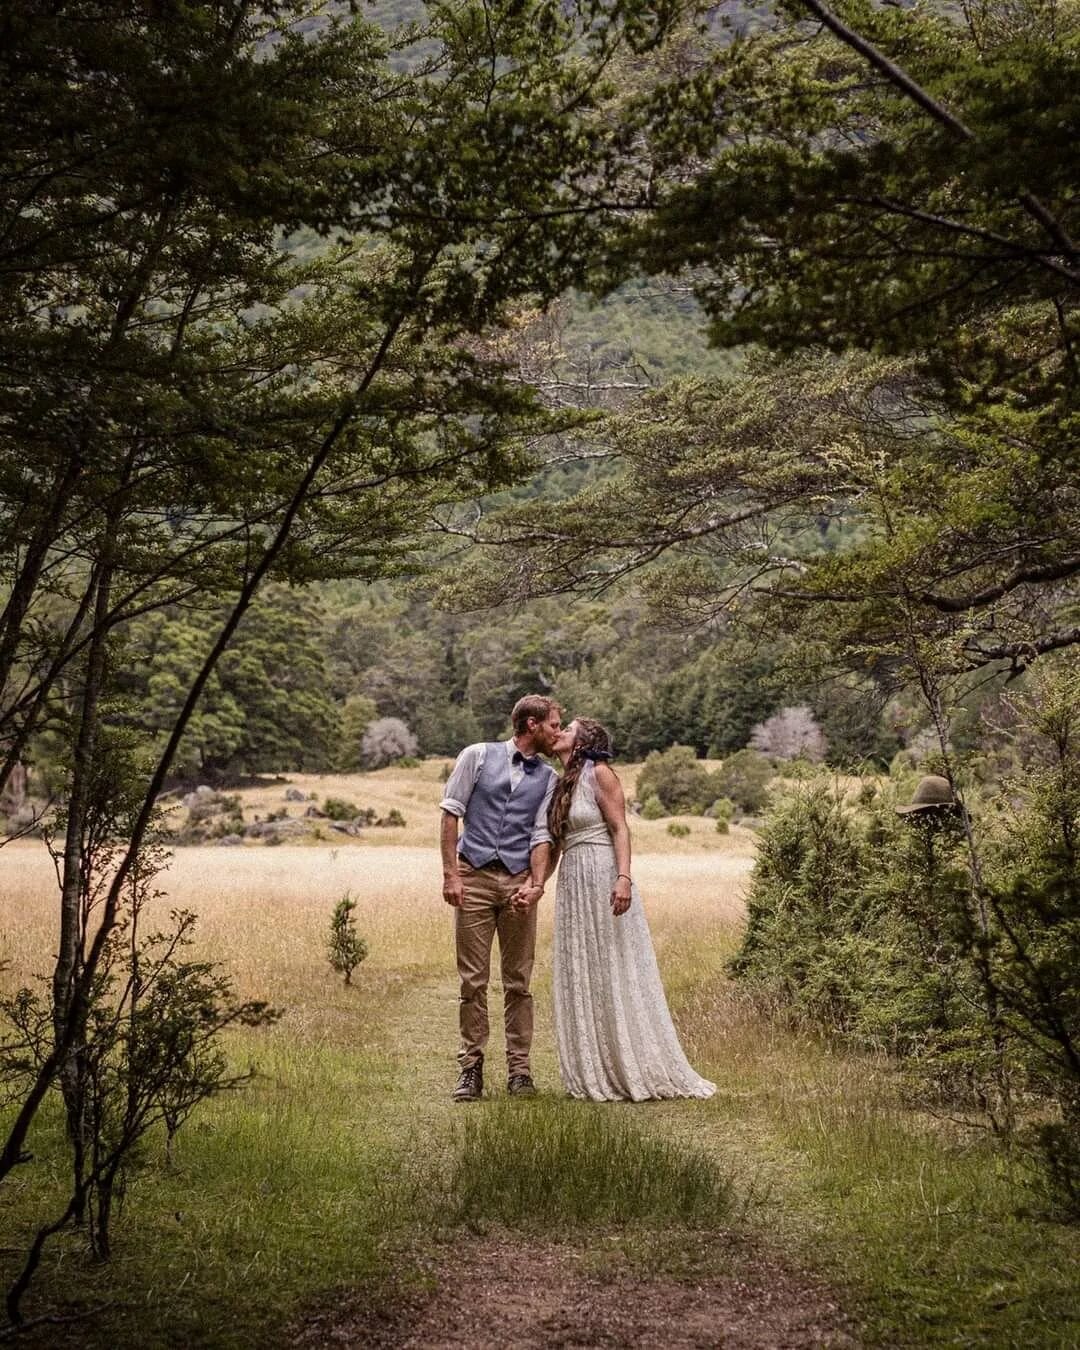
[[592, 742]]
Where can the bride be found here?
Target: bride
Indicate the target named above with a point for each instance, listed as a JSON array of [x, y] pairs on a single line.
[[616, 1040]]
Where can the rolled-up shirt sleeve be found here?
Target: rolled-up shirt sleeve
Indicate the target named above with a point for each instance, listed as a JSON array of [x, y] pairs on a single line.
[[540, 832], [462, 780]]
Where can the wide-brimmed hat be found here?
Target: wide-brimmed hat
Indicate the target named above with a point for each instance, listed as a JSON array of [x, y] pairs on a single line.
[[932, 793]]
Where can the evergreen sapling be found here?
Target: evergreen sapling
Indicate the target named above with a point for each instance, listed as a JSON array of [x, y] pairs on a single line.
[[345, 947]]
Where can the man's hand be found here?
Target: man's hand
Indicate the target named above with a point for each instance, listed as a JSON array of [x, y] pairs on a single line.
[[525, 897], [452, 889]]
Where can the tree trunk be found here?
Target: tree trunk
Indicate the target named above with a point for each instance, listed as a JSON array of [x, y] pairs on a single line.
[[69, 959]]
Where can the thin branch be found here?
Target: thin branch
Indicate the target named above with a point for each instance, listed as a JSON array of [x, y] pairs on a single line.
[[903, 81]]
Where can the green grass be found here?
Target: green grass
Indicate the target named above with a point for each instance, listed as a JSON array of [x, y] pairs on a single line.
[[934, 1234], [937, 1234], [275, 1194], [559, 1164]]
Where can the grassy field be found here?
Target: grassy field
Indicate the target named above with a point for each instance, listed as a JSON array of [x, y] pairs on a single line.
[[344, 1157]]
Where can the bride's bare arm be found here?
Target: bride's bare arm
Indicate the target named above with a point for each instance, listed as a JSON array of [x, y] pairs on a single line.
[[612, 803]]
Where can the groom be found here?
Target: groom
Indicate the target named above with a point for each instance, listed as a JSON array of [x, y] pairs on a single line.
[[493, 878]]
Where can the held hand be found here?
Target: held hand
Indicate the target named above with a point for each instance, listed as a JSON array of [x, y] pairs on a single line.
[[620, 896], [525, 897], [452, 889]]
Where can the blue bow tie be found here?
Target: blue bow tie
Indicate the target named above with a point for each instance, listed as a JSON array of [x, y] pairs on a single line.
[[527, 762]]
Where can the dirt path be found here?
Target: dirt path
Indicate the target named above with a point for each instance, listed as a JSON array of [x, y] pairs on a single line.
[[509, 1291], [491, 1294]]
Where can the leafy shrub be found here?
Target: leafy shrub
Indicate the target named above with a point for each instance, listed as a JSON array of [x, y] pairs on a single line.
[[678, 829], [962, 957], [792, 733], [652, 808], [744, 778], [393, 819], [387, 740], [679, 780], [338, 808], [857, 921], [722, 809]]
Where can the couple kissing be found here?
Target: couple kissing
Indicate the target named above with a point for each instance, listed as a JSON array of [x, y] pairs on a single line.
[[517, 819]]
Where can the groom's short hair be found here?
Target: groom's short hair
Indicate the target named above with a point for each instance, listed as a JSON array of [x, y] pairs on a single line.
[[532, 705]]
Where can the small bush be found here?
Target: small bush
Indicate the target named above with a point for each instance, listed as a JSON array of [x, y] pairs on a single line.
[[337, 808], [679, 780], [652, 808], [678, 830], [723, 825], [345, 947], [744, 779], [393, 819]]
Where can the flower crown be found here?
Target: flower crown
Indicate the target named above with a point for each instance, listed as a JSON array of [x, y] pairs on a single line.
[[596, 755]]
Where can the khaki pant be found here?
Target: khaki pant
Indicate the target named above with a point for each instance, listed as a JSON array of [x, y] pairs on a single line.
[[484, 911]]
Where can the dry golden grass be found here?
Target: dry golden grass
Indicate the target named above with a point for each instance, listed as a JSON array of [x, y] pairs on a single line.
[[416, 793], [265, 912]]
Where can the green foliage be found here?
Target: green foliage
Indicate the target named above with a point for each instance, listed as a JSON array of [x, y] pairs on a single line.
[[744, 778], [960, 956], [652, 808], [1033, 889], [150, 1051], [722, 811], [357, 714], [337, 808], [800, 147], [345, 947], [678, 830], [914, 496], [266, 706], [678, 779]]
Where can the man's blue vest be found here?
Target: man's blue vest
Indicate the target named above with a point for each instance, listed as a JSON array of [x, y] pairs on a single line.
[[498, 822]]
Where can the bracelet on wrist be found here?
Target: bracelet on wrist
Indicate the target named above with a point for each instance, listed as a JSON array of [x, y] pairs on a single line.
[[624, 874]]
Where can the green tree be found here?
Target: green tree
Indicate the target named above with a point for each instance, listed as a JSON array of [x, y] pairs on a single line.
[[894, 181], [344, 945], [265, 708], [207, 413], [356, 716]]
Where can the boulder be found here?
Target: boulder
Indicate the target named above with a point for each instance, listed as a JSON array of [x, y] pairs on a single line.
[[293, 794], [230, 840]]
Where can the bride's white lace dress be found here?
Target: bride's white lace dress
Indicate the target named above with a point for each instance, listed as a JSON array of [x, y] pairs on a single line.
[[616, 1039]]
